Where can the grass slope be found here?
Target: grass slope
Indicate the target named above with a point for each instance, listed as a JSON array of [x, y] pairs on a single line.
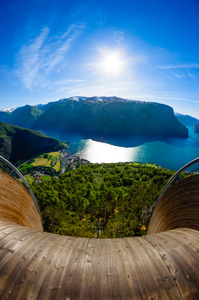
[[46, 163]]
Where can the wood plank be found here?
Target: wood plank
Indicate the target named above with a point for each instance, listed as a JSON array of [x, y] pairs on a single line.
[[126, 269], [180, 253]]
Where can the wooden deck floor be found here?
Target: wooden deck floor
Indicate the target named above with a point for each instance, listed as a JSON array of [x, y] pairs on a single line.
[[39, 265]]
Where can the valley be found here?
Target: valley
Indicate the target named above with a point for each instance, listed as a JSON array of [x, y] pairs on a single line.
[[105, 129], [49, 165], [104, 186]]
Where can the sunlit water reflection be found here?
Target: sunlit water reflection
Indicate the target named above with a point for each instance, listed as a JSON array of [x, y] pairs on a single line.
[[171, 154], [160, 153], [97, 152]]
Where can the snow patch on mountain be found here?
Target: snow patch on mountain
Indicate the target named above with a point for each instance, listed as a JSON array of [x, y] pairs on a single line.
[[92, 99], [8, 110]]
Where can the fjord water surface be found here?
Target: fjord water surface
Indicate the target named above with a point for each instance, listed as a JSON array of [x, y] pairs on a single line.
[[169, 153]]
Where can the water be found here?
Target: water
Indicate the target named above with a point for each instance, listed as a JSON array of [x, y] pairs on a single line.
[[170, 153]]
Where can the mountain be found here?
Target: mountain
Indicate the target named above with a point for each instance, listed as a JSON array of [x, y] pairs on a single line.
[[111, 116], [189, 121], [196, 127], [19, 144], [44, 107], [23, 116], [186, 120], [4, 116], [99, 117]]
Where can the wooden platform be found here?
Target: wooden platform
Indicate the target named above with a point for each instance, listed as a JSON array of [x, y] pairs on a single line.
[[40, 265]]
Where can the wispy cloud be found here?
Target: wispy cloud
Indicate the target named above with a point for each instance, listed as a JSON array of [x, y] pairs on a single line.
[[37, 59], [30, 60], [181, 99], [182, 66], [178, 75], [191, 75], [69, 81]]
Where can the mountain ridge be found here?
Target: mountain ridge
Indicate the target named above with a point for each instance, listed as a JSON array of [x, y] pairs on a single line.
[[111, 116], [102, 116], [186, 120]]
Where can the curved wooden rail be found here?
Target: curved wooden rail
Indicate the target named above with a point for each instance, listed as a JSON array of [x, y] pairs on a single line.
[[40, 265], [2, 159], [174, 177], [17, 204], [178, 207]]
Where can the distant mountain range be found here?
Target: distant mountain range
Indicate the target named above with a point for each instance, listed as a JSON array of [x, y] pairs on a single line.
[[99, 116], [189, 121], [19, 144], [24, 116], [186, 120]]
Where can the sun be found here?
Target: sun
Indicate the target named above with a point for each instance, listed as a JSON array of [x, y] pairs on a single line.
[[111, 63]]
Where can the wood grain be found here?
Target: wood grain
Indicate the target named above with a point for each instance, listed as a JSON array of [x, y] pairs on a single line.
[[179, 207], [39, 265], [16, 203]]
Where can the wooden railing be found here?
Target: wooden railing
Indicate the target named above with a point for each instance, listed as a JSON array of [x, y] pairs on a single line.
[[174, 177], [8, 163]]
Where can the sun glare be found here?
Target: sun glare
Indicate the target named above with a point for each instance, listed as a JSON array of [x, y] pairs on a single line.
[[111, 63]]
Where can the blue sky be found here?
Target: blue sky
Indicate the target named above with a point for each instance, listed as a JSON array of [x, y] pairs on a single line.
[[144, 50]]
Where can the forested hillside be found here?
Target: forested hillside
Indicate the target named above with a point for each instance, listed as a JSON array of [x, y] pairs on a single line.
[[18, 144], [101, 200]]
